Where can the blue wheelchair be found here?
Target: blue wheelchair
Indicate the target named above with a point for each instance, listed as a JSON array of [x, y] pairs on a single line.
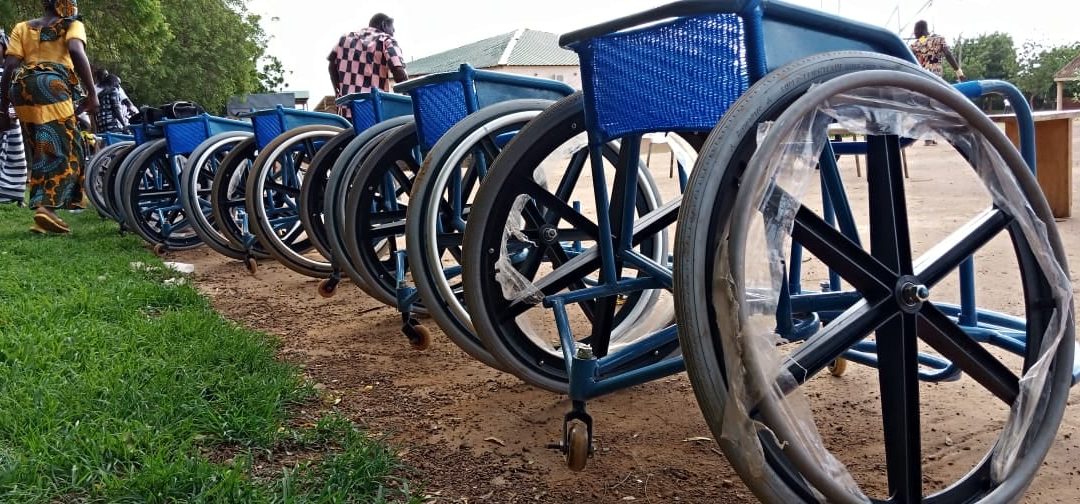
[[383, 190], [267, 223], [148, 187], [751, 339], [321, 201], [288, 143]]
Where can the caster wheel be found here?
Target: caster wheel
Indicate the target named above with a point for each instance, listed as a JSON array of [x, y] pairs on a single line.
[[577, 446], [838, 367], [327, 287], [422, 338], [160, 249], [252, 265]]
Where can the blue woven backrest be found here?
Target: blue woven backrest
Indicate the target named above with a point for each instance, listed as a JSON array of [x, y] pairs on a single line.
[[679, 75], [267, 127], [363, 114], [438, 107]]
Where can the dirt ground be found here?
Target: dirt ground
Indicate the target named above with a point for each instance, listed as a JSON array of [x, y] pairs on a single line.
[[476, 435]]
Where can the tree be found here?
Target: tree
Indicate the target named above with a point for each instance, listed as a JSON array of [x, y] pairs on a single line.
[[198, 50], [987, 56], [1038, 64], [991, 56]]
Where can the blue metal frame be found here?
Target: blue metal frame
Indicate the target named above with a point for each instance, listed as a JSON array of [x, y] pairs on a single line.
[[793, 33]]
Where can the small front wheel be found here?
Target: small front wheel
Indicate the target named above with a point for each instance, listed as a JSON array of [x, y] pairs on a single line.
[[252, 265], [838, 367], [577, 446], [327, 287]]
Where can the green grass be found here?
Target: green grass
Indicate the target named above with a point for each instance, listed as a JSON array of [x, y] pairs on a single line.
[[114, 387]]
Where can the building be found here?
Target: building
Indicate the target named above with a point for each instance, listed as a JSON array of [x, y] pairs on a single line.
[[523, 52], [1069, 73]]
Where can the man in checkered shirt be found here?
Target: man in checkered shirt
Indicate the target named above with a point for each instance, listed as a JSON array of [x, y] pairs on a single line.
[[365, 60]]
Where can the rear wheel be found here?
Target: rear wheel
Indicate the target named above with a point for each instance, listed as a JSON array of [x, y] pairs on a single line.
[[743, 210], [227, 201], [273, 193], [197, 181]]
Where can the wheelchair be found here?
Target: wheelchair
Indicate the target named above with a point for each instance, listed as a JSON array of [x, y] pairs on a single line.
[[387, 188], [774, 76]]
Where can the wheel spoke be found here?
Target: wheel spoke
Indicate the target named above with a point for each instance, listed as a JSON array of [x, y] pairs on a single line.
[[559, 208], [890, 242], [941, 333], [840, 254], [276, 187], [571, 175], [898, 376], [833, 340], [946, 256]]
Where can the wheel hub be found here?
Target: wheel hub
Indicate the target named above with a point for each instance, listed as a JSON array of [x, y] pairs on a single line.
[[549, 234], [910, 294]]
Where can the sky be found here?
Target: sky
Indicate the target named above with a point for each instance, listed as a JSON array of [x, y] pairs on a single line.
[[301, 38]]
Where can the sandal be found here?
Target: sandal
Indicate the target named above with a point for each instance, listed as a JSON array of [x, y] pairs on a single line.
[[49, 221]]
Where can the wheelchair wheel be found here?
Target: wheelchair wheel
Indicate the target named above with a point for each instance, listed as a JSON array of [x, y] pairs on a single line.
[[227, 202], [441, 198], [742, 211], [521, 234], [150, 192], [340, 184], [114, 178], [311, 202], [376, 205], [197, 181], [94, 184], [272, 197]]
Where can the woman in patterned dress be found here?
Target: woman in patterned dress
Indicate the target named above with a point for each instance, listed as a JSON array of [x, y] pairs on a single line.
[[46, 77]]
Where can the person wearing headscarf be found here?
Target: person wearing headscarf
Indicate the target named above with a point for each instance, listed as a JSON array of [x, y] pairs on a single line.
[[47, 79], [12, 157]]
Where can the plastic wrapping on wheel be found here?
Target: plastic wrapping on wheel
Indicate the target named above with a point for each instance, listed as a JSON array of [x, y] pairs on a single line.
[[748, 285], [515, 286]]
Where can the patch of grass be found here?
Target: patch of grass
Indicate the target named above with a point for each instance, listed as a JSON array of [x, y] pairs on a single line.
[[113, 386]]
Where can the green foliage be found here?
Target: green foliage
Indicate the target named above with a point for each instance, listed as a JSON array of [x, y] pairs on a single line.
[[990, 56], [116, 386], [1038, 64], [199, 50]]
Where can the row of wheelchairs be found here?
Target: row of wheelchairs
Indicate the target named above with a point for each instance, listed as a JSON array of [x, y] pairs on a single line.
[[519, 215]]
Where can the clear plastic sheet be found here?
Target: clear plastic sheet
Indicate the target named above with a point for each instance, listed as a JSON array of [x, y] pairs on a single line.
[[759, 367]]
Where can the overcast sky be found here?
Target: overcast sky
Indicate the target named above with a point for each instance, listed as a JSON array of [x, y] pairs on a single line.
[[304, 31]]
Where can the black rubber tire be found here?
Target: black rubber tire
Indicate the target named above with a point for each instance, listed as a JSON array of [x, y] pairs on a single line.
[[288, 250], [94, 185], [155, 158], [340, 183], [231, 178], [427, 272], [198, 176], [704, 223], [376, 277], [314, 188], [115, 178]]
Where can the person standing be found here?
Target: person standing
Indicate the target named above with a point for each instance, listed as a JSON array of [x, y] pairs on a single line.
[[366, 59], [12, 155], [930, 49], [48, 80], [111, 115]]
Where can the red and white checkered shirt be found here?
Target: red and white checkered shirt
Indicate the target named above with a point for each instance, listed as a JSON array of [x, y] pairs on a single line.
[[363, 60]]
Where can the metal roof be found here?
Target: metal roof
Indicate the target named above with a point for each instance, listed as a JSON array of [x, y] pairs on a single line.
[[1070, 72], [517, 48]]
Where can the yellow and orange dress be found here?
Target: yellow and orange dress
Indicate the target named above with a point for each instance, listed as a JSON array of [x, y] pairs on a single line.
[[44, 92]]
